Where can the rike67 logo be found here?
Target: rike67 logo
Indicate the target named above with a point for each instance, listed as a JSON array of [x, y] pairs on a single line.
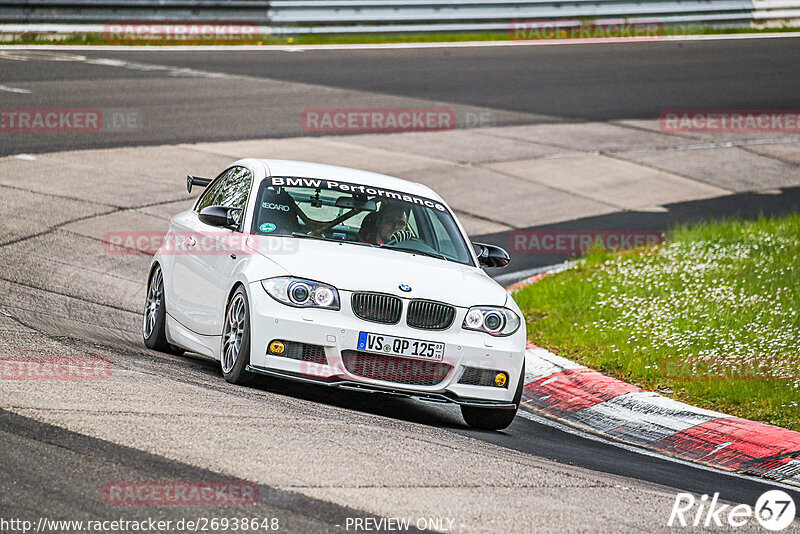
[[775, 510]]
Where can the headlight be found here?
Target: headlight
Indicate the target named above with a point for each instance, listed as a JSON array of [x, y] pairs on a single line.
[[492, 320], [302, 293]]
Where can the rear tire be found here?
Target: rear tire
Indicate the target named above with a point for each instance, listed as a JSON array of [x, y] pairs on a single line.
[[154, 330], [494, 418], [235, 352]]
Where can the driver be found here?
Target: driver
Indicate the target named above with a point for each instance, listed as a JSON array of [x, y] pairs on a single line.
[[390, 223]]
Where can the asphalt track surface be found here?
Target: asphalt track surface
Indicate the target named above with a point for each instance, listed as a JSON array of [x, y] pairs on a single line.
[[73, 464], [521, 85], [526, 84], [51, 472], [195, 96]]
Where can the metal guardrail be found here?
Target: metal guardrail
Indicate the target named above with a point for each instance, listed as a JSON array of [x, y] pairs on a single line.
[[359, 11], [103, 11], [776, 12], [355, 16]]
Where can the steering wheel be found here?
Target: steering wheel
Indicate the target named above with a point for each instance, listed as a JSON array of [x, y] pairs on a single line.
[[394, 240], [411, 239]]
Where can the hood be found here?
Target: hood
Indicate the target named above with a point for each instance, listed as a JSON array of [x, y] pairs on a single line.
[[359, 268]]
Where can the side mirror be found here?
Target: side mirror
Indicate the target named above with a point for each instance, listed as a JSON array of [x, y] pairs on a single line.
[[491, 255], [194, 180], [221, 216]]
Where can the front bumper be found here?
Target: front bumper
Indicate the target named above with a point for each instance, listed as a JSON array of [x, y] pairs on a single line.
[[338, 331], [372, 388]]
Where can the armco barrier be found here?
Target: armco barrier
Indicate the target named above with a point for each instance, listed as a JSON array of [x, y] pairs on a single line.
[[775, 13], [356, 16]]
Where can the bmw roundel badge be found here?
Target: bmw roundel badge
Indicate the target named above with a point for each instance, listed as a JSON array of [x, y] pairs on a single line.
[[405, 287]]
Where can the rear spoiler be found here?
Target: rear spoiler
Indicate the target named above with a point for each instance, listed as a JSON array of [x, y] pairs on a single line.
[[194, 180]]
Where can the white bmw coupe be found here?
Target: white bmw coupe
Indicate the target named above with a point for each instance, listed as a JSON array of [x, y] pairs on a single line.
[[340, 277]]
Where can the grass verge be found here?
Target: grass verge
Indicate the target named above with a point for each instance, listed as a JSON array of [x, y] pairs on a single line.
[[358, 38], [712, 318]]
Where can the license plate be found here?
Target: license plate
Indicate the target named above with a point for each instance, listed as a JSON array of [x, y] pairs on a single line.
[[400, 346]]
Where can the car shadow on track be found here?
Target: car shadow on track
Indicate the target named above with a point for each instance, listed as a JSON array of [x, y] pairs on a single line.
[[384, 405], [525, 436]]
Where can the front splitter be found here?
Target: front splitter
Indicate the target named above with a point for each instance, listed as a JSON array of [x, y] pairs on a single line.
[[438, 398]]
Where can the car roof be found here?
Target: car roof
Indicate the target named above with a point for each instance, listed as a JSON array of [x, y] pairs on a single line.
[[303, 169]]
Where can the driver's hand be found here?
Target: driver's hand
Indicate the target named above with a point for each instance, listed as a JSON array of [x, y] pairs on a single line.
[[402, 235]]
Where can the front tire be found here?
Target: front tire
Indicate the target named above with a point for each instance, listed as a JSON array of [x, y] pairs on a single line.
[[235, 353], [154, 330], [494, 418]]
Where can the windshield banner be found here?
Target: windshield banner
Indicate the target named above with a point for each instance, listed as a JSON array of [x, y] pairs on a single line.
[[355, 189]]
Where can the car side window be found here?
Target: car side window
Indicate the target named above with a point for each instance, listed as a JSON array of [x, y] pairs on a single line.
[[211, 192], [412, 222], [229, 190], [445, 236], [234, 190]]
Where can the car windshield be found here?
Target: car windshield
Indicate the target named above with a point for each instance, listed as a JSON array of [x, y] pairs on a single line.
[[358, 214]]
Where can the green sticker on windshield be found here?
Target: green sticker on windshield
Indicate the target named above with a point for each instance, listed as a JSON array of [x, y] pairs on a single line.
[[267, 227]]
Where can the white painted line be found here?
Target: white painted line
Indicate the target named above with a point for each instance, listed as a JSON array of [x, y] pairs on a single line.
[[8, 89], [550, 381], [148, 67], [26, 157], [718, 448], [402, 46], [646, 452], [39, 55]]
